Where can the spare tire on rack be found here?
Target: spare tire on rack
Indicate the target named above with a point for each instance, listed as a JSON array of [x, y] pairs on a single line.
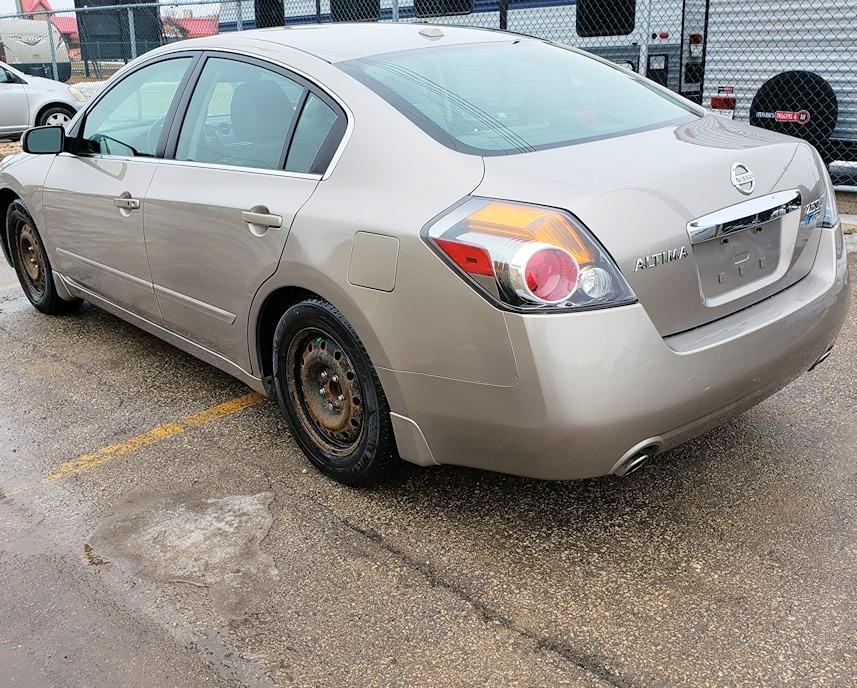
[[800, 104]]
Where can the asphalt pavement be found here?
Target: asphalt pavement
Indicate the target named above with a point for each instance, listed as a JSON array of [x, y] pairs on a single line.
[[159, 527]]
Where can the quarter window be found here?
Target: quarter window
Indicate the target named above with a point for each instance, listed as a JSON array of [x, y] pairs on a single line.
[[240, 114], [129, 119], [307, 152]]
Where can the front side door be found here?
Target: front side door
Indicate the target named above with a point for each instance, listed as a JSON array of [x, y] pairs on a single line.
[[218, 213], [14, 107], [94, 198]]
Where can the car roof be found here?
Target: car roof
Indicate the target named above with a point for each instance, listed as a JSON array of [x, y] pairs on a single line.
[[346, 41]]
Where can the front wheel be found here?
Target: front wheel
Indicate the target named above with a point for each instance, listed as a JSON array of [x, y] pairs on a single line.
[[330, 394], [56, 115], [31, 262]]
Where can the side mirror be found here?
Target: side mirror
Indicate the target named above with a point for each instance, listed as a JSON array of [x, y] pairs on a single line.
[[44, 140]]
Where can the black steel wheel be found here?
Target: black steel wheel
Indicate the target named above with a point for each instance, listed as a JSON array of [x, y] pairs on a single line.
[[330, 394], [31, 262]]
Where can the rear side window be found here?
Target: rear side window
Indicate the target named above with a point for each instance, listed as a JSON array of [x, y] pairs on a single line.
[[605, 17], [515, 96], [316, 137], [240, 114]]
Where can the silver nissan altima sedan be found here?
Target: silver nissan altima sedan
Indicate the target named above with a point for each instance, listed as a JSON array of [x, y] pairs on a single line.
[[438, 244]]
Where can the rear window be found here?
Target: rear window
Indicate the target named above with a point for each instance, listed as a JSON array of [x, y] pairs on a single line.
[[513, 97]]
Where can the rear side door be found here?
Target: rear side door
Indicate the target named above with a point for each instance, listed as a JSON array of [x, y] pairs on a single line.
[[14, 108], [249, 150], [93, 198]]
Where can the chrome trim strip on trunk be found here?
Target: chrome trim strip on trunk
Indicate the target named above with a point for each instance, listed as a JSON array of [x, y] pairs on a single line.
[[742, 216]]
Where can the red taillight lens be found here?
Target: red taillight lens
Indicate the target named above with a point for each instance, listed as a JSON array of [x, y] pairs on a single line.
[[551, 275], [723, 102], [474, 260]]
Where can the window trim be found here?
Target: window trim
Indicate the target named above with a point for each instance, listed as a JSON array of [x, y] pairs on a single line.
[[75, 134], [190, 79], [298, 77]]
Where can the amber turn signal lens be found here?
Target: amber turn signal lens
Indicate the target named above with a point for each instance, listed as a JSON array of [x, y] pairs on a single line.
[[531, 224]]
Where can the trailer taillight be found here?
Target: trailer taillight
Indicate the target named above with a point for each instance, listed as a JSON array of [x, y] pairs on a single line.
[[695, 44], [724, 102]]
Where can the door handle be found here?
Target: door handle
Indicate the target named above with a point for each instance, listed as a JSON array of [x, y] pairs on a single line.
[[261, 218], [127, 203]]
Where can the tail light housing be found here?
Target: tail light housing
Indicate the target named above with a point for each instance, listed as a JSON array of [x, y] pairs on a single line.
[[527, 258], [695, 45], [725, 99]]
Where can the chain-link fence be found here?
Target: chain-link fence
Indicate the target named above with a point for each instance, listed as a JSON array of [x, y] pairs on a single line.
[[785, 65]]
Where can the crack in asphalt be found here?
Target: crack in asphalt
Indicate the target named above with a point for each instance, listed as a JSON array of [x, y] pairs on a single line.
[[541, 642], [583, 661]]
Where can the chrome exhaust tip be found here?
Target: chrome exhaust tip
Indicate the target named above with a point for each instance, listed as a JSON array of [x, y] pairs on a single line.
[[634, 462], [637, 456], [821, 359]]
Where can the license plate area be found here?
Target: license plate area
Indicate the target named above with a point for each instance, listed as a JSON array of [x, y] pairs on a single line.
[[735, 261], [746, 247]]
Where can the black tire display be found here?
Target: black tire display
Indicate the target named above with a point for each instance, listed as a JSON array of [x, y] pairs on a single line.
[[330, 394], [799, 104], [31, 262]]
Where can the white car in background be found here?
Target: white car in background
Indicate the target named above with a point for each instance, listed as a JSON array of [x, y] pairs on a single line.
[[27, 101]]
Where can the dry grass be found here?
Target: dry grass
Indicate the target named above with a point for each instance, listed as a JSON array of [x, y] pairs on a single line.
[[847, 202], [8, 148]]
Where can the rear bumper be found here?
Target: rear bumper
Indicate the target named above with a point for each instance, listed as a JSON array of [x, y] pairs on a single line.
[[593, 386]]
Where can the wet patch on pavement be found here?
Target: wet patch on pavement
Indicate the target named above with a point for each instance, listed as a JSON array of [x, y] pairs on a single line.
[[202, 541]]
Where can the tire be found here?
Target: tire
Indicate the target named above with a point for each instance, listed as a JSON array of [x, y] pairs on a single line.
[[330, 395], [56, 114], [805, 97], [31, 262]]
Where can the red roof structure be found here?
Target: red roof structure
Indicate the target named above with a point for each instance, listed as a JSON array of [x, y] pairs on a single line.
[[197, 27], [66, 24]]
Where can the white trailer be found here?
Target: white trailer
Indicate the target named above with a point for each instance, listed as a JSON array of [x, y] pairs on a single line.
[[659, 38], [787, 65], [26, 45]]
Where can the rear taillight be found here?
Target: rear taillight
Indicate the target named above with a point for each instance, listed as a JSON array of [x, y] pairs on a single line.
[[528, 257]]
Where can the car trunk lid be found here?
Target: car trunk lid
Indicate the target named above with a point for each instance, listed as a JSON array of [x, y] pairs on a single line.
[[692, 244]]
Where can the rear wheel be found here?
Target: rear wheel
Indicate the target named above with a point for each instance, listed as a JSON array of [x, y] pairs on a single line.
[[330, 394], [31, 262], [55, 115]]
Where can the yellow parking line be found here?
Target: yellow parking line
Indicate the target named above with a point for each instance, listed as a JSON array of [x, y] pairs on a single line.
[[11, 285], [114, 451]]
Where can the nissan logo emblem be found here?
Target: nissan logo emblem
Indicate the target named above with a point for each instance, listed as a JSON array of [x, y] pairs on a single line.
[[742, 178]]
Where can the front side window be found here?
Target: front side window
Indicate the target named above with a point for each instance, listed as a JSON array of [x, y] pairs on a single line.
[[129, 119], [240, 114], [516, 96]]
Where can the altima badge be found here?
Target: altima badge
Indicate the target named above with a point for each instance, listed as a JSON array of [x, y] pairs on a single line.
[[655, 259], [743, 178]]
